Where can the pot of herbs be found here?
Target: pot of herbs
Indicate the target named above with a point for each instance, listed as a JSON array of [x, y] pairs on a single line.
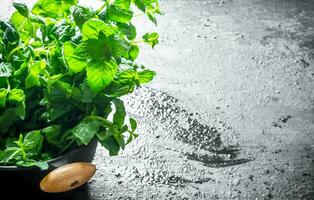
[[63, 70]]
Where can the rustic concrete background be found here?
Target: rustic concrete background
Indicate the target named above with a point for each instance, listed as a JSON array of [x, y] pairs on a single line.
[[231, 112]]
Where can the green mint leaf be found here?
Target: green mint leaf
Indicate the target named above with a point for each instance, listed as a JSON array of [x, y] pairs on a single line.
[[140, 5], [10, 142], [5, 69], [86, 130], [148, 2], [128, 29], [127, 77], [53, 136], [31, 163], [100, 74], [152, 17], [33, 143], [3, 97], [63, 31], [143, 4], [19, 142], [118, 14], [103, 47], [76, 94], [129, 139], [119, 46], [81, 14], [123, 4], [119, 115], [133, 124], [53, 8], [20, 110], [146, 76], [58, 91], [34, 70], [21, 8], [95, 49], [10, 34], [26, 28], [7, 119], [10, 154], [117, 90], [1, 46], [17, 97], [74, 62], [57, 111], [151, 39], [22, 70], [108, 141], [42, 165], [152, 9], [119, 138], [37, 19], [93, 27], [87, 93], [133, 52]]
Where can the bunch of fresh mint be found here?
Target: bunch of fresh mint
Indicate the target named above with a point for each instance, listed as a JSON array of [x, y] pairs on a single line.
[[63, 68]]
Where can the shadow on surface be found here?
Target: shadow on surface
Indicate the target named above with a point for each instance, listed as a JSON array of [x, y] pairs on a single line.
[[216, 161], [185, 126]]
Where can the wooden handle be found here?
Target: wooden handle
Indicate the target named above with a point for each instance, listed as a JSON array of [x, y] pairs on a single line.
[[67, 177]]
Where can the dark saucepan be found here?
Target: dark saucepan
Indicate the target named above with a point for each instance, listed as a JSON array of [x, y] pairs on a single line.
[[24, 182]]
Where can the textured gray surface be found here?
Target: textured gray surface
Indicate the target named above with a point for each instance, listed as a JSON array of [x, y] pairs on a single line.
[[231, 113]]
